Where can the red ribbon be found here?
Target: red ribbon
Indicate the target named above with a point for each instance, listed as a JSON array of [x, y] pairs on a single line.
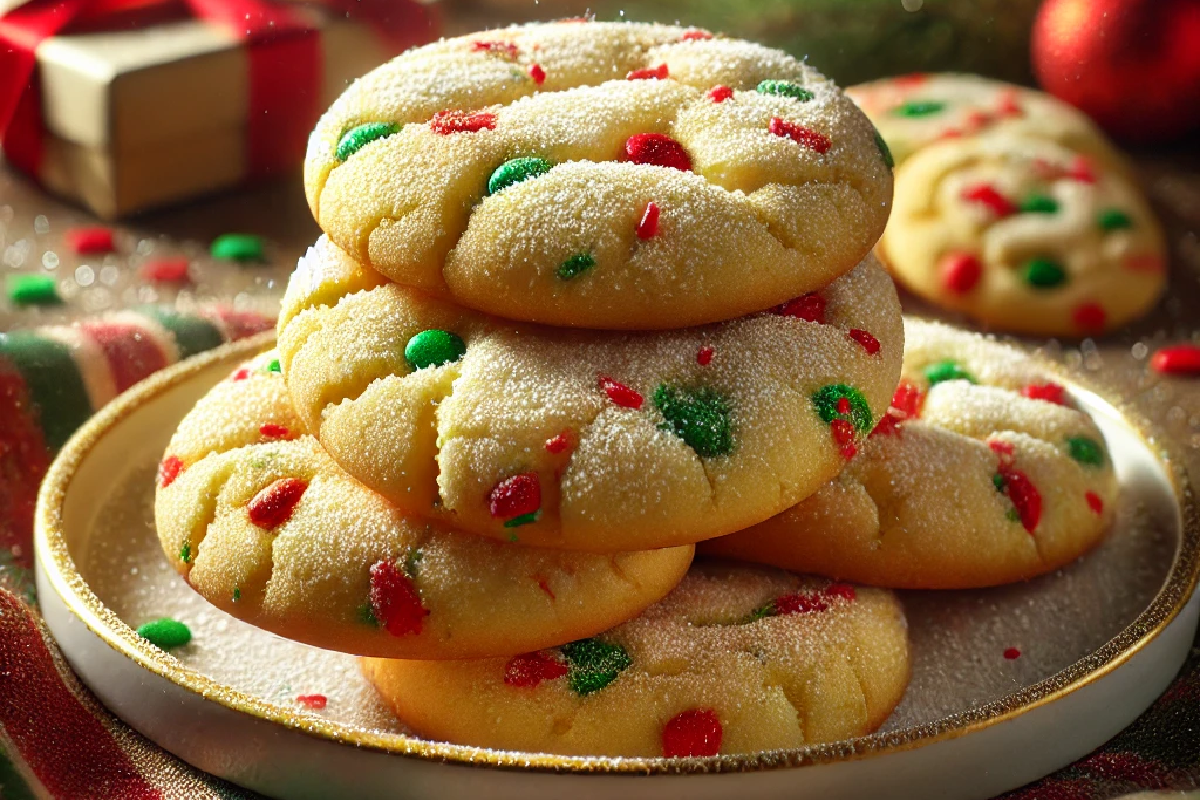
[[285, 69]]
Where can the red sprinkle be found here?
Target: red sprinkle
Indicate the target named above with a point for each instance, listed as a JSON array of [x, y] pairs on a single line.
[[1007, 105], [809, 307], [537, 73], [889, 424], [1001, 448], [695, 732], [1012, 653], [395, 600], [908, 399], [272, 431], [1144, 262], [168, 470], [800, 604], [560, 443], [868, 342], [506, 49], [719, 94], [960, 272], [843, 405], [950, 133], [1050, 392], [1182, 359], [843, 431], [166, 270], [977, 120], [274, 505], [544, 585], [313, 701], [1094, 502], [649, 73], [695, 36], [647, 228], [989, 196], [90, 241], [515, 496], [842, 590], [1081, 170], [910, 80], [704, 356], [800, 134], [1089, 317], [1024, 496], [530, 669], [240, 374], [657, 150], [448, 122], [620, 394]]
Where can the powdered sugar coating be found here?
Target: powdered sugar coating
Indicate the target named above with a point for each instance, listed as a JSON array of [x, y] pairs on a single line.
[[1064, 244], [437, 441], [758, 219], [921, 507], [314, 577], [914, 111], [832, 671]]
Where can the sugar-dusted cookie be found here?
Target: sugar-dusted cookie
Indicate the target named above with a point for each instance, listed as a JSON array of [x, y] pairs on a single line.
[[265, 526], [1025, 236], [913, 111], [983, 473], [737, 659], [586, 440], [600, 175]]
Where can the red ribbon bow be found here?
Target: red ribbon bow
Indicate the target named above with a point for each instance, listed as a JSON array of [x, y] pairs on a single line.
[[284, 65]]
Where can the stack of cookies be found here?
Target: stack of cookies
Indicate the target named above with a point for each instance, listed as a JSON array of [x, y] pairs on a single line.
[[590, 294]]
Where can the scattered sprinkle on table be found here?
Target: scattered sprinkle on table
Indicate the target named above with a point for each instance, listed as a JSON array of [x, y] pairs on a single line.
[[166, 270], [165, 633], [1182, 359], [1012, 653], [33, 290], [90, 241], [238, 247]]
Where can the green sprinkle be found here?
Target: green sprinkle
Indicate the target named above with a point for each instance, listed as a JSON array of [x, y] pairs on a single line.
[[884, 151], [432, 348], [1086, 451], [1039, 204], [366, 615], [762, 612], [524, 519], [785, 89], [412, 562], [700, 416], [33, 290], [185, 553], [946, 371], [512, 537], [237, 593], [1012, 515], [1112, 219], [919, 108], [359, 137], [1042, 273], [238, 247], [165, 633], [594, 664], [826, 400], [998, 482], [515, 171], [576, 264], [274, 366]]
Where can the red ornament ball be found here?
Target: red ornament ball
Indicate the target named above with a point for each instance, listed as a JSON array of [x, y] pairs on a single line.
[[1132, 65]]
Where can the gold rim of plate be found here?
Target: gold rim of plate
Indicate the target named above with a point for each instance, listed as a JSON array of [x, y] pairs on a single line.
[[65, 579]]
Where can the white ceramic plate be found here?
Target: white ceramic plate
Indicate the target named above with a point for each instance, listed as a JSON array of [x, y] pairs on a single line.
[[1099, 641]]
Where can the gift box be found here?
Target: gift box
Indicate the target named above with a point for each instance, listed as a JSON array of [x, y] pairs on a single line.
[[125, 105]]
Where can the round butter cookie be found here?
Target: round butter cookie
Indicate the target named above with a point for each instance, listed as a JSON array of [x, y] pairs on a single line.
[[1024, 235], [265, 526], [586, 440], [984, 472], [600, 175], [737, 659], [913, 111]]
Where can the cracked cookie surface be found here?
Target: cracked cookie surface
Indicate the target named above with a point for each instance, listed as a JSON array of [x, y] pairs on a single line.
[[590, 441], [983, 473], [737, 659], [600, 175], [266, 527]]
